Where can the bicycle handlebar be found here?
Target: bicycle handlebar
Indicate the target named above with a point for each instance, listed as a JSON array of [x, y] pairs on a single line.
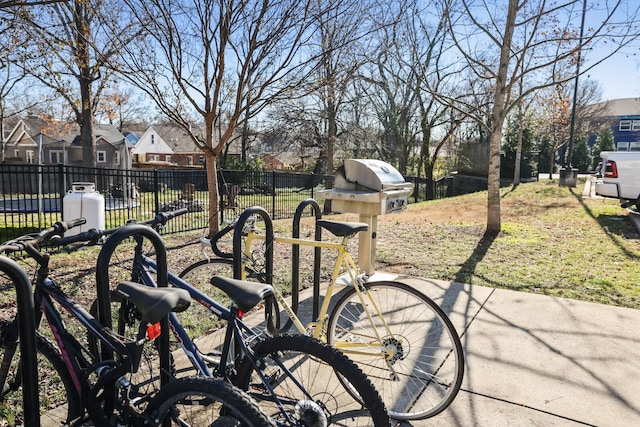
[[31, 240], [162, 218]]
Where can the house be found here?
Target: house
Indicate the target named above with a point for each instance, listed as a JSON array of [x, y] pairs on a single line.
[[112, 148], [41, 140], [166, 146], [185, 151], [151, 150], [271, 163], [623, 117]]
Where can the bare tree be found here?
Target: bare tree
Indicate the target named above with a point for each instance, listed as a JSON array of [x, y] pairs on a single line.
[[122, 107], [341, 31], [203, 61], [546, 31], [69, 44]]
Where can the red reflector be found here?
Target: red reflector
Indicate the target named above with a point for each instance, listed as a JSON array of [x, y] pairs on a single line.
[[611, 170], [240, 314], [153, 331]]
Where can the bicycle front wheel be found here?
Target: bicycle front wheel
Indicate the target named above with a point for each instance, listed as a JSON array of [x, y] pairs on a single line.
[[411, 351], [305, 376], [205, 402]]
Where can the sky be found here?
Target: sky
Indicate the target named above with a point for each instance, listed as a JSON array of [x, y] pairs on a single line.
[[619, 76]]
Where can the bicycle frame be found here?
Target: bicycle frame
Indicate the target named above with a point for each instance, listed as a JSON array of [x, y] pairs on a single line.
[[343, 260], [145, 267], [46, 292]]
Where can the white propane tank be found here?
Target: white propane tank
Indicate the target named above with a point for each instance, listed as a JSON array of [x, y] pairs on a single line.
[[83, 201]]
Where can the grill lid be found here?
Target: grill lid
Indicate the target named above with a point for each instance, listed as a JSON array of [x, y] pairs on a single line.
[[371, 174]]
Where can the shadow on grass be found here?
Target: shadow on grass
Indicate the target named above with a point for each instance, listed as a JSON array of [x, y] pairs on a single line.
[[611, 225], [468, 268]]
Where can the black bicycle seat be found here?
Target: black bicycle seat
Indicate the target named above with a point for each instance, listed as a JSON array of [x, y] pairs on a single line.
[[341, 229], [154, 303], [243, 293]]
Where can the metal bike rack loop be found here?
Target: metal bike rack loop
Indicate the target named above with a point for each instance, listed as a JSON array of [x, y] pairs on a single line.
[[237, 242], [104, 296], [27, 331], [295, 258]]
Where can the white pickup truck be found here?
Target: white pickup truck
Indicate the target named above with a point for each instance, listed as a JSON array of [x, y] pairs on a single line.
[[620, 177]]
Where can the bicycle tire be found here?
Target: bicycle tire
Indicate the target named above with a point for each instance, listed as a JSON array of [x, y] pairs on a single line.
[[318, 367], [60, 402], [425, 350], [205, 402]]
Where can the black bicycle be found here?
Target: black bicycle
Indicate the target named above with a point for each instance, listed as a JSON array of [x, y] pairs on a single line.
[[297, 380], [76, 387]]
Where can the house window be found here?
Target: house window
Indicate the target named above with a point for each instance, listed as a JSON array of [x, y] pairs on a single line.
[[635, 124], [117, 153], [154, 157], [16, 154], [30, 156], [153, 139], [102, 156], [622, 146], [168, 158], [634, 146], [190, 160], [56, 157], [625, 125]]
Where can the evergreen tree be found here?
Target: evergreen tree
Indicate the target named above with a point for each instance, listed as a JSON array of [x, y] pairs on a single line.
[[580, 155], [604, 142], [528, 166]]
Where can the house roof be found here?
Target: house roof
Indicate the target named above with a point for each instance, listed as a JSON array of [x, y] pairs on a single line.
[[109, 133], [51, 130], [177, 138], [623, 107]]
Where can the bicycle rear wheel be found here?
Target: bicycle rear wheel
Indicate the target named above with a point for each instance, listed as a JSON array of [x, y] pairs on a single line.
[[422, 365], [205, 402], [59, 401], [305, 375]]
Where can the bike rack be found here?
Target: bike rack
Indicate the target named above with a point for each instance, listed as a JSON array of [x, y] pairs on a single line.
[[104, 296], [295, 258], [27, 334], [237, 242]]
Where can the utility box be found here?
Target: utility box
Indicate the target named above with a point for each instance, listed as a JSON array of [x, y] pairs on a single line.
[[83, 201]]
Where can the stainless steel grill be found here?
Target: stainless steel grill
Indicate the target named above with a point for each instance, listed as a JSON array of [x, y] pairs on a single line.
[[369, 188]]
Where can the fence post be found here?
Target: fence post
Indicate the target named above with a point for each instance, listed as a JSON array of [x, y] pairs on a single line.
[[273, 194], [62, 187], [156, 192]]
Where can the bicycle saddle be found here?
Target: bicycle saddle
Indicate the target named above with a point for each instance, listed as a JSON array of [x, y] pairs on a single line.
[[243, 293], [154, 303], [342, 229]]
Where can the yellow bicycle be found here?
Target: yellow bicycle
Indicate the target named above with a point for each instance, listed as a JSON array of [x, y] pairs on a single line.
[[399, 337]]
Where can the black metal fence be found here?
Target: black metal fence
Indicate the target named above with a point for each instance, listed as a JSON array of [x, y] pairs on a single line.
[[33, 197]]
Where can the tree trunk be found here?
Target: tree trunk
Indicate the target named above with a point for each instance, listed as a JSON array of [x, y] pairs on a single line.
[[516, 172], [212, 185], [87, 134], [497, 118]]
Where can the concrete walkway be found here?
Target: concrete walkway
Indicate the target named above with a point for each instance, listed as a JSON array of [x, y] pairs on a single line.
[[535, 360]]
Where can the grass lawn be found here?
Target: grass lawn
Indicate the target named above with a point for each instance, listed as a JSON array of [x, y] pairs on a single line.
[[553, 242]]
